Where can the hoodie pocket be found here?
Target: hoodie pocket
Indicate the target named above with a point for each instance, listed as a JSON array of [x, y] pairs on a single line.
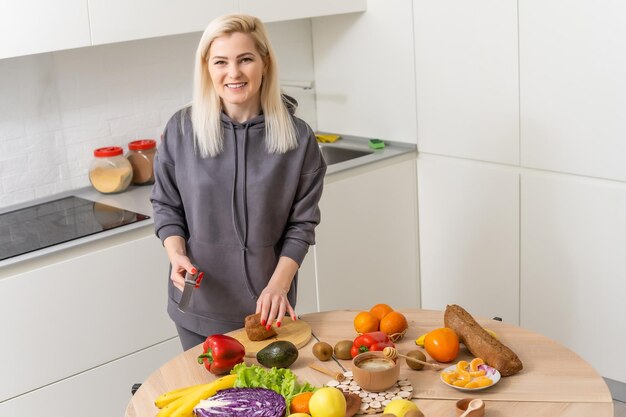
[[232, 279]]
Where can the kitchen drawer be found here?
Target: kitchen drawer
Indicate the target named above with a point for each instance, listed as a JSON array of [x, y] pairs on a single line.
[[100, 392], [66, 317]]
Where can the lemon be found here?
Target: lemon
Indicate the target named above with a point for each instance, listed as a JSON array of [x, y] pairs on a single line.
[[327, 402], [400, 407], [299, 415], [420, 340]]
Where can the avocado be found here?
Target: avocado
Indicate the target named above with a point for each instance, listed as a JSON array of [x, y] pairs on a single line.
[[279, 354]]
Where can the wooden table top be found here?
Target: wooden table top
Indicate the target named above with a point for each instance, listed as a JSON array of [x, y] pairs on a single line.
[[554, 382]]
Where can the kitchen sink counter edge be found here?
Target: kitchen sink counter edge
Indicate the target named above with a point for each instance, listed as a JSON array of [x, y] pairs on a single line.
[[137, 199]]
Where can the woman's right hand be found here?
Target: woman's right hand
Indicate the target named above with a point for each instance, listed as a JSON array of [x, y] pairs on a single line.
[[181, 264]]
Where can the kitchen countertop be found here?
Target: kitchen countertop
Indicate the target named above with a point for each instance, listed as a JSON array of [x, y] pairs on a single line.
[[554, 382], [137, 199]]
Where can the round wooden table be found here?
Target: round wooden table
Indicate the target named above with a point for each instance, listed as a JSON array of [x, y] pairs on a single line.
[[554, 382]]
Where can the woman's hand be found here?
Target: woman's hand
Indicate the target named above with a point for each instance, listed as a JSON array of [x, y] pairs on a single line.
[[273, 302], [181, 264]]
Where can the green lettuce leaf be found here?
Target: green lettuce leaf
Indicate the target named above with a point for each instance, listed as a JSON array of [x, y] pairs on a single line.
[[281, 380]]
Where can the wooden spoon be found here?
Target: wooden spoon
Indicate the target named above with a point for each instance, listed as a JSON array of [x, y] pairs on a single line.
[[473, 405], [392, 353], [336, 375]]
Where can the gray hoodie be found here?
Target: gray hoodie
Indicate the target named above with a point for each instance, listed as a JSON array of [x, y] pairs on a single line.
[[239, 212]]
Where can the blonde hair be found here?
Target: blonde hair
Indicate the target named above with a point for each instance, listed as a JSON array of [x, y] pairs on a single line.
[[280, 132]]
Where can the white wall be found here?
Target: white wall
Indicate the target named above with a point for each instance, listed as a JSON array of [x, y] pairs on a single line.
[[55, 108]]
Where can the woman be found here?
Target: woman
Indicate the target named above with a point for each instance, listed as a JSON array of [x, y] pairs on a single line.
[[238, 179]]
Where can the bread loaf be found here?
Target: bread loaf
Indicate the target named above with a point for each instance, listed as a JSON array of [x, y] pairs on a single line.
[[255, 330], [480, 343]]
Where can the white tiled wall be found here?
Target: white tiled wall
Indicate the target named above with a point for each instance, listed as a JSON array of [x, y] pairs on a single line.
[[55, 108]]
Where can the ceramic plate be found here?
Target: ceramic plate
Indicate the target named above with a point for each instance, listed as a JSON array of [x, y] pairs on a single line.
[[491, 373]]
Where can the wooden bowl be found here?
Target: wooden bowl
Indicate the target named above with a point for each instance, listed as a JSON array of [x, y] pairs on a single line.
[[461, 407], [374, 372]]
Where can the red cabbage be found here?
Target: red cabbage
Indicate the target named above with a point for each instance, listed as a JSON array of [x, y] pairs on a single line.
[[243, 402]]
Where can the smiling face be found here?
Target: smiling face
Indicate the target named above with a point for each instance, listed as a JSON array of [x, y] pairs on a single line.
[[236, 69]]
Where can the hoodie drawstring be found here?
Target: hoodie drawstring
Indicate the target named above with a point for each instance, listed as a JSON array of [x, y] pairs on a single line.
[[242, 235]]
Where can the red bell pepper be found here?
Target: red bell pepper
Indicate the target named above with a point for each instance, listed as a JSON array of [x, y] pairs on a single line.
[[221, 353], [373, 341]]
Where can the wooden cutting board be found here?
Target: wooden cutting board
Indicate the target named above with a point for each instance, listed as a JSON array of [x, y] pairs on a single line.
[[297, 332]]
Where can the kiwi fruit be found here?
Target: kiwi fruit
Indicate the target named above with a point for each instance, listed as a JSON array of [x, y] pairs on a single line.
[[417, 354], [322, 351], [342, 349]]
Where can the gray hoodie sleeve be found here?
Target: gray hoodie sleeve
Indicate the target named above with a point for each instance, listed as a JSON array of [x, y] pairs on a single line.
[[305, 213], [169, 213]]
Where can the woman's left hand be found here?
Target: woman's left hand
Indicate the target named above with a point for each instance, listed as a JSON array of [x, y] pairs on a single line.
[[273, 304]]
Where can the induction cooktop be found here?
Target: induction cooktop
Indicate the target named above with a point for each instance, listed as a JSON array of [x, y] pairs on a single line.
[[43, 225]]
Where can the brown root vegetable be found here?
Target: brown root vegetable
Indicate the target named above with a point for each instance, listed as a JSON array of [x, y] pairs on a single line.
[[480, 343]]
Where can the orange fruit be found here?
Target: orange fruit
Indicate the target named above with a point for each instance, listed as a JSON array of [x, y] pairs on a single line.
[[365, 322], [381, 310], [300, 403], [393, 322], [442, 344]]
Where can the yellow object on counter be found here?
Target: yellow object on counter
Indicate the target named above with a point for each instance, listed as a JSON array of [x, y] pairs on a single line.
[[327, 138]]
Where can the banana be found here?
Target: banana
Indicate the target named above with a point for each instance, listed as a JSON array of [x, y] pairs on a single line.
[[183, 406], [164, 399]]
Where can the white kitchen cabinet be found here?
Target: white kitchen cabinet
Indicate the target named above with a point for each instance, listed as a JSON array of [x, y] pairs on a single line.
[[572, 86], [34, 26], [100, 301], [307, 285], [120, 20], [103, 391], [366, 250], [469, 236], [467, 78], [277, 10], [365, 72], [573, 236]]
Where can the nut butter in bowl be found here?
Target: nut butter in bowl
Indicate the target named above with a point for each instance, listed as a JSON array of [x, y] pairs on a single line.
[[110, 172]]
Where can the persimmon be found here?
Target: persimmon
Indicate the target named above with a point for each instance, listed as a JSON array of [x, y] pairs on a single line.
[[381, 310], [442, 344], [365, 322]]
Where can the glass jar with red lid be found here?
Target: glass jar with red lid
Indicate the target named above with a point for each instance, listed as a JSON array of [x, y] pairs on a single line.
[[110, 172], [141, 157]]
